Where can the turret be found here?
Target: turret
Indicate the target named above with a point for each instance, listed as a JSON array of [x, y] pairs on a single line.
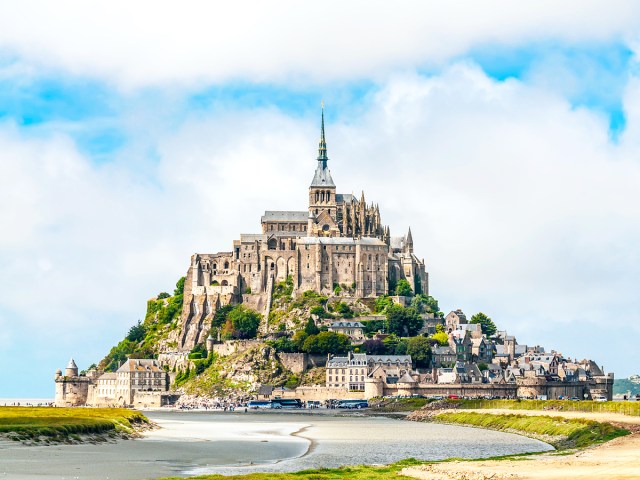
[[71, 370], [408, 243]]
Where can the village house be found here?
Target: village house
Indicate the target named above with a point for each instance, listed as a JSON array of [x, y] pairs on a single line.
[[353, 330]]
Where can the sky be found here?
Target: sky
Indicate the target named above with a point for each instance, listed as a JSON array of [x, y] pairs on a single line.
[[132, 135]]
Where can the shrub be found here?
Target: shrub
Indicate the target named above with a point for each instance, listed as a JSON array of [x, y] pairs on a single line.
[[162, 295], [403, 288]]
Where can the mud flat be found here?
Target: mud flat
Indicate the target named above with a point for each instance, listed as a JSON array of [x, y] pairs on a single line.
[[191, 443]]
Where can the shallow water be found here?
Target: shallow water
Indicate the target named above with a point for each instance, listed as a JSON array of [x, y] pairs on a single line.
[[193, 443]]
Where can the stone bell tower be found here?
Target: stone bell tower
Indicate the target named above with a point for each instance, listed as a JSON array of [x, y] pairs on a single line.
[[322, 194]]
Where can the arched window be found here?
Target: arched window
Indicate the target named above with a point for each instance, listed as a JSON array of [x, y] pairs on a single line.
[[272, 244], [322, 196], [328, 196], [224, 283], [226, 265], [317, 196]]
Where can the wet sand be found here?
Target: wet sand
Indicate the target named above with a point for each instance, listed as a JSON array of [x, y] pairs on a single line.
[[191, 443]]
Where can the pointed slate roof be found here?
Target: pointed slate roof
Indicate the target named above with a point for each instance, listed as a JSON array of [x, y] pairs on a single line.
[[322, 177], [72, 364]]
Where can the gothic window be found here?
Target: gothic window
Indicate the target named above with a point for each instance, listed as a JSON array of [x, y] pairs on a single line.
[[322, 196], [224, 283], [317, 197], [272, 244], [328, 196], [226, 265], [215, 267]]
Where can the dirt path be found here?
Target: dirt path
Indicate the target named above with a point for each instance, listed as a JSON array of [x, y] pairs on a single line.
[[618, 459]]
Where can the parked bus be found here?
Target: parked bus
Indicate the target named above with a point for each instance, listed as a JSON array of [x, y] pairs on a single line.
[[287, 403], [353, 404]]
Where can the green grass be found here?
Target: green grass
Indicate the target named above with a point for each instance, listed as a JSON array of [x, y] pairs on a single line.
[[360, 472], [625, 408], [62, 423], [565, 433]]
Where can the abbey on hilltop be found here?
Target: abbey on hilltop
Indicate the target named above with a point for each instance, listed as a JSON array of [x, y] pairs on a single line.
[[338, 240]]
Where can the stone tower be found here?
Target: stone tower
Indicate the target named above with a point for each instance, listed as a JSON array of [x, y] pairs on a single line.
[[72, 389], [322, 191]]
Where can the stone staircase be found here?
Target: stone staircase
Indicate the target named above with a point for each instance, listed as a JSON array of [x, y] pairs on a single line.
[[267, 310]]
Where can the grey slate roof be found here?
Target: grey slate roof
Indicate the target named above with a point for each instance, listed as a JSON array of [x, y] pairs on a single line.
[[344, 198], [347, 325], [284, 216], [389, 358], [322, 177]]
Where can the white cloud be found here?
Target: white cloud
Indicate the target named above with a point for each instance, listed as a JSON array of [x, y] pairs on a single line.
[[520, 205], [198, 42]]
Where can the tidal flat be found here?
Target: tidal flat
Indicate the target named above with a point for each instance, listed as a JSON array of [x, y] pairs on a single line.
[[195, 443]]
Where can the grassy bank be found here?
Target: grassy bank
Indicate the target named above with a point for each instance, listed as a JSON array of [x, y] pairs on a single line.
[[562, 433], [360, 472], [625, 408], [66, 424]]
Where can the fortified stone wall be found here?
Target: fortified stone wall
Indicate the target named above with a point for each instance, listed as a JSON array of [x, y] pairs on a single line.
[[319, 393], [71, 391], [301, 362]]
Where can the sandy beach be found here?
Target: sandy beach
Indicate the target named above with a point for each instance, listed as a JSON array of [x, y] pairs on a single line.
[[615, 460]]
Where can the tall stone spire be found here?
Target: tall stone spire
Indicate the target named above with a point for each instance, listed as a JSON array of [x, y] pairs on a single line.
[[322, 146], [322, 177]]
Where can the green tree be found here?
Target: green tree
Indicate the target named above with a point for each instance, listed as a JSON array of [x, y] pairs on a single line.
[[310, 328], [425, 304], [486, 324], [179, 290], [245, 321], [220, 316], [326, 342], [403, 288], [382, 303], [420, 351], [401, 347], [403, 321], [162, 295], [137, 333]]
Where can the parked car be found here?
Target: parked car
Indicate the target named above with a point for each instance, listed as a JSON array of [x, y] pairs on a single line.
[[600, 398]]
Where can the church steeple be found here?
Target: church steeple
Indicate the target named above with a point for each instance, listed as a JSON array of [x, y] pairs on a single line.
[[322, 146], [322, 177]]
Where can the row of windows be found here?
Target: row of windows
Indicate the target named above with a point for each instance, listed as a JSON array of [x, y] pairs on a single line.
[[323, 196], [288, 227], [351, 378]]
